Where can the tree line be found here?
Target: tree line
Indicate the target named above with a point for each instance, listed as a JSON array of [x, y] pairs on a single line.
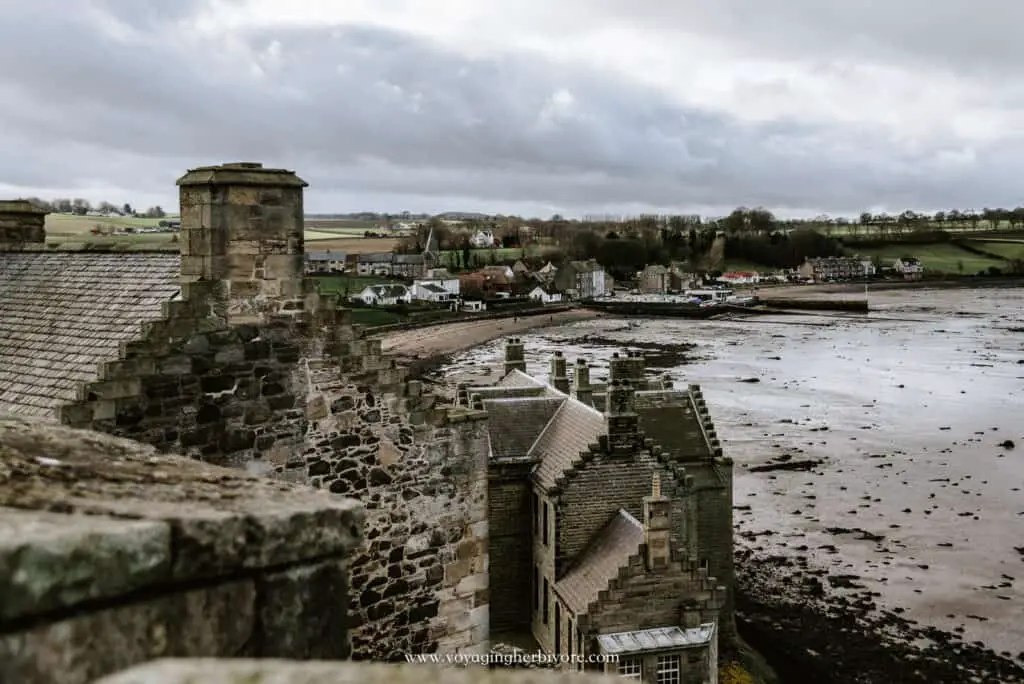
[[80, 207]]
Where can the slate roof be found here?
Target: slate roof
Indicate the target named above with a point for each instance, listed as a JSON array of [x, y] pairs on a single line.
[[375, 258], [600, 561], [409, 259], [570, 432], [64, 313], [518, 378], [514, 424], [325, 256], [431, 287], [386, 291]]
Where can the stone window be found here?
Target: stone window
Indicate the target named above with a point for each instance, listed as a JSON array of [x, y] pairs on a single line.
[[536, 589], [704, 563], [668, 669], [547, 600], [629, 668], [547, 515]]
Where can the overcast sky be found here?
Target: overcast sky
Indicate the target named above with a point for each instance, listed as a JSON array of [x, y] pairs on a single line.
[[522, 106]]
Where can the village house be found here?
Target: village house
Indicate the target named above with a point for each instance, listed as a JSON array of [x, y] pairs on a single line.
[[832, 268], [583, 280], [654, 279], [374, 263], [485, 283], [325, 262], [610, 518], [740, 278], [544, 296], [520, 269], [440, 278], [909, 267], [546, 273], [431, 291], [385, 295], [482, 239]]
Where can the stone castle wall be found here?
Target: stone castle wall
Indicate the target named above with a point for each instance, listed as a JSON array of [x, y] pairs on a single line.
[[112, 554], [241, 372]]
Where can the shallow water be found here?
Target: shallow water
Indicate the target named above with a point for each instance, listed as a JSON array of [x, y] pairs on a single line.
[[906, 407]]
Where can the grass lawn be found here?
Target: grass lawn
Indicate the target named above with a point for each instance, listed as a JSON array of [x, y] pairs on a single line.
[[1007, 250], [350, 284], [940, 257]]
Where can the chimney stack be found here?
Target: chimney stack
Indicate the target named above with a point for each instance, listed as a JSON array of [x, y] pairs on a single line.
[[515, 355], [619, 368], [620, 416], [462, 394], [242, 226], [559, 374], [22, 224], [657, 526], [581, 388], [638, 368]]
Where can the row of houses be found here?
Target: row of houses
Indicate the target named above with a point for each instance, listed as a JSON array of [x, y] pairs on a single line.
[[854, 267]]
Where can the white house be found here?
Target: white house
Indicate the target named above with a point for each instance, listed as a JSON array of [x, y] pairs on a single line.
[[908, 267], [442, 278], [385, 295], [541, 295], [741, 278], [482, 239], [869, 267], [430, 291]]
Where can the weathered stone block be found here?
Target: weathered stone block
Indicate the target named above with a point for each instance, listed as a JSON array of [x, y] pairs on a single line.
[[303, 612], [50, 561]]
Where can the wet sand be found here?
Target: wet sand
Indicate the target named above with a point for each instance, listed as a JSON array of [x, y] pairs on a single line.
[[448, 338], [894, 446]]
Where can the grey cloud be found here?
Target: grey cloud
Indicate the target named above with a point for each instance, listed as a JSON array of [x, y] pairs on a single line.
[[372, 115]]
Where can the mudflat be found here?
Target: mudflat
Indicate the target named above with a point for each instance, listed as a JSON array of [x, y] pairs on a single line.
[[879, 478]]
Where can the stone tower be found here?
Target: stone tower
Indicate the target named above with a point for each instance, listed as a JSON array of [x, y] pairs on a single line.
[[22, 224], [242, 228]]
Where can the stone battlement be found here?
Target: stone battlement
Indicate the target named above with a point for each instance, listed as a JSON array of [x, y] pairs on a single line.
[[112, 554]]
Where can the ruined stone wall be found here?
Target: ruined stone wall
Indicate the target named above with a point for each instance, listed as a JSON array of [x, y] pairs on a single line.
[[510, 545], [112, 554], [229, 395], [306, 398]]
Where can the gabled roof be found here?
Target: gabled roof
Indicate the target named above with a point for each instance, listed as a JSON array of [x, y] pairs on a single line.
[[431, 287], [600, 562], [62, 314], [570, 433], [515, 424], [376, 258], [385, 291], [409, 259]]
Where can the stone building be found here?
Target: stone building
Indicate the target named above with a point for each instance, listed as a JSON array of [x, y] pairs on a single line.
[[223, 353], [610, 513]]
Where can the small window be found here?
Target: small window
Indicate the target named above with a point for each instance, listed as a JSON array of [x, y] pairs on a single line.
[[668, 669], [629, 668], [536, 589], [547, 508], [535, 501], [547, 600], [704, 563]]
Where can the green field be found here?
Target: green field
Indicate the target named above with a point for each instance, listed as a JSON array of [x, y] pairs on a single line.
[[1007, 250], [942, 258], [497, 255], [68, 224]]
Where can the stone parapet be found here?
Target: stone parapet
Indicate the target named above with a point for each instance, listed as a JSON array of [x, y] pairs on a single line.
[[282, 672], [112, 554]]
